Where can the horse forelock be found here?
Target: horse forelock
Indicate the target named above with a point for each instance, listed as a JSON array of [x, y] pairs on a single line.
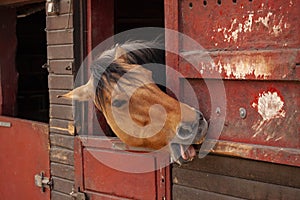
[[107, 71]]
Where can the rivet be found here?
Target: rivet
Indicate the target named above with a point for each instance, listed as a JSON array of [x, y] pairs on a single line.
[[243, 113], [218, 111]]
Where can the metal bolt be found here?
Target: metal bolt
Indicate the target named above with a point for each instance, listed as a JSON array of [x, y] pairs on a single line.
[[243, 113], [218, 111]]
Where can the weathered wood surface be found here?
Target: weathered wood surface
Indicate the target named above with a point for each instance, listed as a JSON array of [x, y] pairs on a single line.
[[62, 185], [24, 153], [242, 25], [62, 126], [65, 141], [62, 171], [251, 50], [61, 155], [247, 169], [61, 112], [60, 196], [62, 51], [94, 155], [224, 177], [61, 66], [182, 192]]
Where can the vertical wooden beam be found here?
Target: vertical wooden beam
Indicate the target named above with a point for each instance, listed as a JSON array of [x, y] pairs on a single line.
[[100, 26], [8, 72], [172, 42]]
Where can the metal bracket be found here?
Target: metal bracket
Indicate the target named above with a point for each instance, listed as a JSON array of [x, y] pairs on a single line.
[[77, 195], [42, 181]]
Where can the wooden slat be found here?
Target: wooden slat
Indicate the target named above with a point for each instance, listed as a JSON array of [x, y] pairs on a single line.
[[78, 161], [59, 22], [60, 52], [61, 112], [247, 169], [54, 100], [288, 156], [60, 37], [62, 171], [65, 6], [63, 141], [63, 156], [240, 188], [61, 82], [181, 192], [62, 185], [62, 126], [60, 196], [61, 66]]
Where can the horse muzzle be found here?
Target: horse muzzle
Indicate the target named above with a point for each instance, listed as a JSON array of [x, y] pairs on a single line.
[[188, 133]]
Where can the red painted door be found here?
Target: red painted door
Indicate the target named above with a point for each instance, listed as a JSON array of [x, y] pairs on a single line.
[[107, 169], [24, 148], [244, 72]]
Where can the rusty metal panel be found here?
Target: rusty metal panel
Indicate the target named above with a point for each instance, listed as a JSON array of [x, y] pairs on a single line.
[[24, 153], [254, 51], [97, 173], [241, 24]]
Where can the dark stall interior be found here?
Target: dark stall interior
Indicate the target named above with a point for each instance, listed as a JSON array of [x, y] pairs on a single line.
[[135, 14], [32, 97]]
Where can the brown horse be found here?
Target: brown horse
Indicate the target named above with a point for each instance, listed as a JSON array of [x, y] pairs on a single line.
[[138, 112]]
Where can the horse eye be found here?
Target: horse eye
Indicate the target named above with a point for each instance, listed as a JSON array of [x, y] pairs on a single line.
[[118, 103]]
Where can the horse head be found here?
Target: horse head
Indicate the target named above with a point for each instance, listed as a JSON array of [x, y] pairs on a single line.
[[136, 109]]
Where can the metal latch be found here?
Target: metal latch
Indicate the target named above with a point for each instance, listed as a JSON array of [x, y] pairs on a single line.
[[77, 195], [42, 181]]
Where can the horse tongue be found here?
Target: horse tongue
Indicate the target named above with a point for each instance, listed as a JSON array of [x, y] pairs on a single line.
[[187, 154]]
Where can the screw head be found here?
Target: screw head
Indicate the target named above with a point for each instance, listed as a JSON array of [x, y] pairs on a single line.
[[243, 113]]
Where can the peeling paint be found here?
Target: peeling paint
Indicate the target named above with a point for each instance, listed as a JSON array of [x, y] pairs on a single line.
[[248, 23], [274, 24], [235, 28], [277, 29], [241, 68], [264, 20], [270, 106]]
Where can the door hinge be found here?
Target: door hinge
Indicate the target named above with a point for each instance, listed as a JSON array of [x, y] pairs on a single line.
[[77, 195], [42, 181]]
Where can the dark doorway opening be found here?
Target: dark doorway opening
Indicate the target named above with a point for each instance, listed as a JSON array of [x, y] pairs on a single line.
[[136, 13], [33, 96]]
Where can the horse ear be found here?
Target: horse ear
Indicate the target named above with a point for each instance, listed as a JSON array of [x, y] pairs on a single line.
[[82, 93], [121, 54]]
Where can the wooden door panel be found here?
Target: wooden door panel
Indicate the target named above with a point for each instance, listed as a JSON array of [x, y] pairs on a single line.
[[24, 152], [251, 50], [104, 171]]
